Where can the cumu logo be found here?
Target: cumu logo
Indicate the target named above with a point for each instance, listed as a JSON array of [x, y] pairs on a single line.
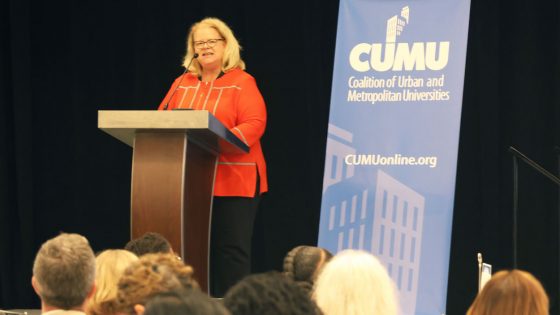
[[399, 56]]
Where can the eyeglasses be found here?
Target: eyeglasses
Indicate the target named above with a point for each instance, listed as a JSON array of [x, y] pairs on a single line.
[[211, 43]]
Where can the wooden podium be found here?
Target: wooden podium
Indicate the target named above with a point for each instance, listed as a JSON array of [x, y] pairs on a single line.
[[173, 166]]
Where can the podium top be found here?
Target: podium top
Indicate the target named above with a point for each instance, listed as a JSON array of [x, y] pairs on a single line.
[[200, 126]]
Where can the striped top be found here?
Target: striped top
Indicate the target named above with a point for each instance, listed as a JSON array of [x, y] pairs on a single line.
[[235, 100]]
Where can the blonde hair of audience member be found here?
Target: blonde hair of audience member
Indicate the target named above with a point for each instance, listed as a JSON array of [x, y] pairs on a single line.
[[110, 265], [64, 272], [514, 292], [232, 57], [355, 283], [149, 275]]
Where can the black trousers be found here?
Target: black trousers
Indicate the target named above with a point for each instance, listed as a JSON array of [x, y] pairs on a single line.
[[230, 245]]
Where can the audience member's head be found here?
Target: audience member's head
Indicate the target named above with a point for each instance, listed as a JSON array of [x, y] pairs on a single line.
[[183, 301], [149, 275], [354, 283], [512, 292], [148, 243], [303, 263], [64, 272], [269, 293], [110, 265]]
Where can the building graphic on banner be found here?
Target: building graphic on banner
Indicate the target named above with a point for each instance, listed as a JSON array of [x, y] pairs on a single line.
[[385, 220], [397, 235], [396, 24], [339, 143]]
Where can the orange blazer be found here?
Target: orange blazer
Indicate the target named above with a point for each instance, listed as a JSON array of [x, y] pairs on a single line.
[[236, 101]]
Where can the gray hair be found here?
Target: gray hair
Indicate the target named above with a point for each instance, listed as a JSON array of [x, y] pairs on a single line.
[[64, 268], [354, 282]]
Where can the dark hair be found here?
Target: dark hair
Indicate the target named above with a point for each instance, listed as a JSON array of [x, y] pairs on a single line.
[[150, 242], [181, 301], [269, 293], [303, 263]]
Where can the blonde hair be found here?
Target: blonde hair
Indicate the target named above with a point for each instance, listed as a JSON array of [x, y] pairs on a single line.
[[514, 292], [149, 275], [110, 265], [64, 268], [354, 283], [232, 57]]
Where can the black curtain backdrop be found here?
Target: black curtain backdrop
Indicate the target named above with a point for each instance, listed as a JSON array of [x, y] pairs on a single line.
[[61, 61]]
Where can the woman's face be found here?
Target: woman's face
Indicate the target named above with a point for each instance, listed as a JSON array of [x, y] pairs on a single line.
[[210, 46]]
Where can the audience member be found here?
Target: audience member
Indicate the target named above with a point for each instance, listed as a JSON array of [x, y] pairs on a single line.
[[64, 274], [303, 263], [150, 242], [182, 301], [151, 274], [512, 292], [269, 293], [355, 283], [110, 265]]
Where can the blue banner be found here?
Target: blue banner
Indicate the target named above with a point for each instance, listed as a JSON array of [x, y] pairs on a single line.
[[393, 138]]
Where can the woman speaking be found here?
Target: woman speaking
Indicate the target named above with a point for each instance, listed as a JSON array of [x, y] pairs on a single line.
[[215, 81]]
